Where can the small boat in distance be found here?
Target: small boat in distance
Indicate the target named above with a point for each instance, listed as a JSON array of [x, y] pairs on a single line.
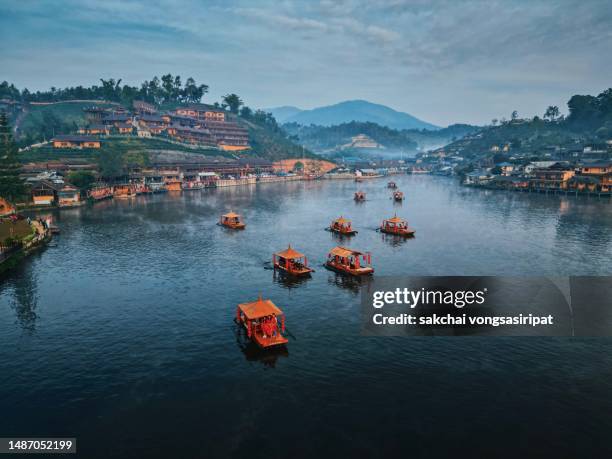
[[397, 226], [398, 196], [342, 226], [360, 196], [348, 261], [260, 319], [391, 185], [232, 220], [291, 262]]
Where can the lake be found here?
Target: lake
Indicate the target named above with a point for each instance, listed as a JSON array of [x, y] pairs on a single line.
[[120, 333]]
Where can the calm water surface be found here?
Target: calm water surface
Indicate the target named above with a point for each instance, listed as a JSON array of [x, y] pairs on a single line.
[[121, 334]]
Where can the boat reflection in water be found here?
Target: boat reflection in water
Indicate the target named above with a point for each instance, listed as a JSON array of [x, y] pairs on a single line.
[[289, 282], [394, 240], [253, 353], [351, 283]]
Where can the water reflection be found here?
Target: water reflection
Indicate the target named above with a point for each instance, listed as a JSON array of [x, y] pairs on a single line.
[[351, 283], [287, 281], [253, 353], [395, 240], [22, 288]]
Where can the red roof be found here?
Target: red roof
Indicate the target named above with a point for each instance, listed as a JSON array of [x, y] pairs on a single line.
[[259, 308]]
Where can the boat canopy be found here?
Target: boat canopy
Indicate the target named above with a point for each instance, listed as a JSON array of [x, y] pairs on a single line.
[[395, 219], [343, 252], [342, 220], [231, 215], [259, 308], [289, 254]]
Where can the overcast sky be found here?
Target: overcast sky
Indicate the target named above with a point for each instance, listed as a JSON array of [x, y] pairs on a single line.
[[443, 61]]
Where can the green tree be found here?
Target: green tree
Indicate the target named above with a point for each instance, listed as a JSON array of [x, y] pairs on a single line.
[[81, 179], [12, 186], [233, 101], [552, 113], [136, 158], [111, 164]]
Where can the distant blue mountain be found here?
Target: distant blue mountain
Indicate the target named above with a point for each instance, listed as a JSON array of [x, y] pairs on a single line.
[[351, 110], [284, 112]]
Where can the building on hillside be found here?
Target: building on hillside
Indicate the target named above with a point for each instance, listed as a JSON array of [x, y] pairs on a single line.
[[191, 135], [44, 192], [76, 141], [595, 168], [555, 177], [116, 118], [532, 166], [506, 168], [202, 111], [479, 177], [124, 128], [228, 135], [255, 165], [95, 129], [174, 119], [362, 141], [141, 107], [95, 114], [150, 120]]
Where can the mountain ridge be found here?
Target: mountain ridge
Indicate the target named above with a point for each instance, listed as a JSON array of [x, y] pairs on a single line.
[[350, 110]]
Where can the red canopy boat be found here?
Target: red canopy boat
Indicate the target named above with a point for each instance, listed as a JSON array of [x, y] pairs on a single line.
[[291, 262], [232, 220], [349, 261], [397, 226], [260, 318], [342, 226]]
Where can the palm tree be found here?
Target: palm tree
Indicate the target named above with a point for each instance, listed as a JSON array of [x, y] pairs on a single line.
[[552, 112], [233, 101]]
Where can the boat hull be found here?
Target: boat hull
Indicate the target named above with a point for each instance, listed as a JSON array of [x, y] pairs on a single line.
[[268, 341], [305, 272], [343, 233], [404, 233], [367, 271], [236, 226]]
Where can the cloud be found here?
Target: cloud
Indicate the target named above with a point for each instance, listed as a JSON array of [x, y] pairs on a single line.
[[442, 60]]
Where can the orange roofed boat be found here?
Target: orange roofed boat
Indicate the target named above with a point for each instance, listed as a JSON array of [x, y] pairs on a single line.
[[232, 220], [344, 260], [291, 262], [360, 196], [260, 318], [342, 226], [398, 196], [397, 226]]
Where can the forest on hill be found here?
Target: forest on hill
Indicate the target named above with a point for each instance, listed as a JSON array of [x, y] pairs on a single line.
[[335, 138], [589, 121], [62, 112]]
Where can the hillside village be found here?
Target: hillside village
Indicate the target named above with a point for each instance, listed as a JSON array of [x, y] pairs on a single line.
[[118, 150], [574, 166]]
